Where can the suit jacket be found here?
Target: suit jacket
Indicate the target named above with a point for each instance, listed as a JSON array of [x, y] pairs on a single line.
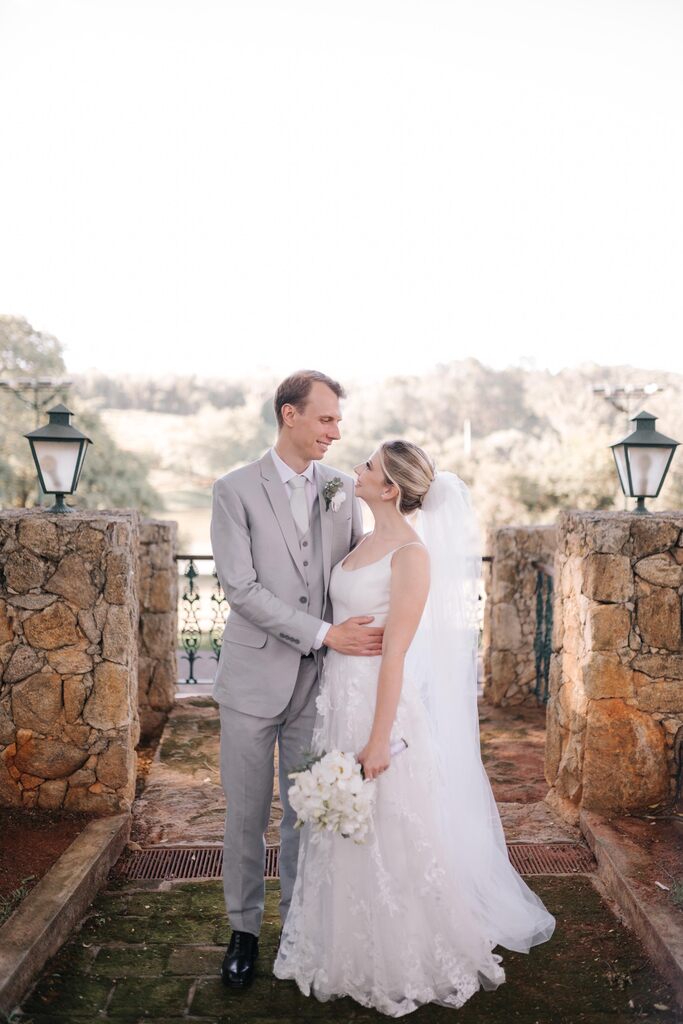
[[259, 564]]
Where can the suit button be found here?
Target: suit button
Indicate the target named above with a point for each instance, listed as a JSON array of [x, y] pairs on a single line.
[[303, 600], [304, 543], [305, 563]]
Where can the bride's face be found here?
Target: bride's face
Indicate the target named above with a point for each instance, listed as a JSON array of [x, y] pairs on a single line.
[[371, 484]]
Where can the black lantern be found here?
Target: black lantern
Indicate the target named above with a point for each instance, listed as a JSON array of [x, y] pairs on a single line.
[[58, 451], [643, 459]]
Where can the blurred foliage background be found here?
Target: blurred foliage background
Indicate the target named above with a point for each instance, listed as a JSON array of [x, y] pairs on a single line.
[[538, 442]]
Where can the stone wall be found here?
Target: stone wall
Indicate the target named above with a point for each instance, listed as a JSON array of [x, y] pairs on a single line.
[[68, 659], [615, 712], [157, 667], [510, 611]]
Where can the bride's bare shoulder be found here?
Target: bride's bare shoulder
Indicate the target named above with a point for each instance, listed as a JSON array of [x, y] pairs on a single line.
[[412, 553]]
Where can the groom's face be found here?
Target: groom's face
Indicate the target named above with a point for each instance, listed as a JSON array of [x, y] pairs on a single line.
[[316, 426]]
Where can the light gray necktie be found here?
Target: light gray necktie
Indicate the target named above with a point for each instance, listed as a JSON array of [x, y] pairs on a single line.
[[299, 503]]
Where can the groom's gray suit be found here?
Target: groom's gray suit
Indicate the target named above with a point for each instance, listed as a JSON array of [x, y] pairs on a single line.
[[276, 582]]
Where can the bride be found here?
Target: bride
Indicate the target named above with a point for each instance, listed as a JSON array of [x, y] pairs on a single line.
[[412, 915]]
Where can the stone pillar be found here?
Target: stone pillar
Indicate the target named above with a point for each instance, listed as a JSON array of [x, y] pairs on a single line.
[[68, 659], [510, 611], [158, 636], [615, 711]]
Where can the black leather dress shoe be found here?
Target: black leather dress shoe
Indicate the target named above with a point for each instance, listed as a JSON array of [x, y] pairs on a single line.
[[240, 960]]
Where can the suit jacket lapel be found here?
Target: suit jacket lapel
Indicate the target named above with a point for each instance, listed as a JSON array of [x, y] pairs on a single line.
[[277, 495], [325, 526]]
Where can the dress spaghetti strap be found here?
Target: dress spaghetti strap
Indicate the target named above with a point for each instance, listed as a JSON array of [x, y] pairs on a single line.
[[410, 543]]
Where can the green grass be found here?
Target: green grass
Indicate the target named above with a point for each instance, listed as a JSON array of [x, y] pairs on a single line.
[[9, 903]]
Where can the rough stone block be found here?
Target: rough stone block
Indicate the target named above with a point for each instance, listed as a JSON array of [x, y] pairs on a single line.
[[571, 704], [51, 796], [159, 638], [650, 535], [72, 581], [161, 592], [605, 676], [161, 693], [662, 570], [108, 706], [10, 793], [116, 765], [54, 627], [51, 759], [554, 742], [116, 635], [37, 702], [90, 543], [660, 666], [70, 660], [625, 762], [118, 584], [658, 616], [40, 536], [6, 627], [608, 535], [79, 798], [607, 627], [86, 621], [23, 571], [75, 690], [505, 626], [608, 577], [23, 662], [660, 696]]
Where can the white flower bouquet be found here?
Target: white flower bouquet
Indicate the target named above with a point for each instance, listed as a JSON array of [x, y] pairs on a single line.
[[330, 793], [332, 796]]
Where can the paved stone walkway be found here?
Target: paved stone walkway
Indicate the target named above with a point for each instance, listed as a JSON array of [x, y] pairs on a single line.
[[183, 801], [152, 951], [154, 955]]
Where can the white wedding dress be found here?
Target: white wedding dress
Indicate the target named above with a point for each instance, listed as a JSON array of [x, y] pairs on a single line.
[[382, 921]]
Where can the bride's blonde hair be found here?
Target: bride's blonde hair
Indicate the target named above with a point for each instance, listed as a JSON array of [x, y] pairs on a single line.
[[410, 469]]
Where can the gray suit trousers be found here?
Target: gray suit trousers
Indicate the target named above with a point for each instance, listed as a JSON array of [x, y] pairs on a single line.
[[247, 749]]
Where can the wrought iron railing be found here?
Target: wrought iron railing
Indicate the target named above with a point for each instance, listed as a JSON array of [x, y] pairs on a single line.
[[201, 623], [203, 611], [544, 628]]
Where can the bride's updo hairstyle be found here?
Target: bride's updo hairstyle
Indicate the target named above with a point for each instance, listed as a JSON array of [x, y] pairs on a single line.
[[410, 469]]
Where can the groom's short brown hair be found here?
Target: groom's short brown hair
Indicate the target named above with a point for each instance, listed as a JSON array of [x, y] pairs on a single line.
[[295, 389]]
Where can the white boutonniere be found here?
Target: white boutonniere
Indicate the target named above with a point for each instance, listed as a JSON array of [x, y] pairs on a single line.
[[334, 494]]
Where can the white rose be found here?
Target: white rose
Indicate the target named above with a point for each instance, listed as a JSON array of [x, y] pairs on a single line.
[[337, 500]]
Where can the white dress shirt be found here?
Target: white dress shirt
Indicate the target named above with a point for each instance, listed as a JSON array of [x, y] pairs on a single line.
[[286, 473]]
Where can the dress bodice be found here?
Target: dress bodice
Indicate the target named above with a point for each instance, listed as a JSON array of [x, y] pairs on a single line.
[[362, 591]]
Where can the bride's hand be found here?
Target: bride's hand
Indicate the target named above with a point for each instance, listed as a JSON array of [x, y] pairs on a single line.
[[374, 759]]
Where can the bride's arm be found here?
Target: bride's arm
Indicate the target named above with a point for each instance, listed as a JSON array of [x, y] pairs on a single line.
[[408, 595]]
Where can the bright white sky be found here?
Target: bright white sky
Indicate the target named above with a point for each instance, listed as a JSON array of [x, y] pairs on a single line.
[[218, 186]]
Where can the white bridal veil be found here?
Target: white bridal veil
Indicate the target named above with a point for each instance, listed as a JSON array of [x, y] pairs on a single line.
[[443, 660]]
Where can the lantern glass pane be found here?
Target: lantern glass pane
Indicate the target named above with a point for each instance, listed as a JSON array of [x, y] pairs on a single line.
[[81, 460], [620, 459], [648, 466], [58, 460]]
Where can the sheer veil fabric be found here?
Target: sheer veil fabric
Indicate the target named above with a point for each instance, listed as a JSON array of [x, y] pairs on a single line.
[[442, 659]]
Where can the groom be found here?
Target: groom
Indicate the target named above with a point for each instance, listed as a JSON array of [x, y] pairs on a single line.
[[278, 525]]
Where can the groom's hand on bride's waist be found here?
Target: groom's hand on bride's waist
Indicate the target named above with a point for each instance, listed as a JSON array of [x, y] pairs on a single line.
[[355, 636]]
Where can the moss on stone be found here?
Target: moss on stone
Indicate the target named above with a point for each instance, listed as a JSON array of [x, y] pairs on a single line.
[[587, 972]]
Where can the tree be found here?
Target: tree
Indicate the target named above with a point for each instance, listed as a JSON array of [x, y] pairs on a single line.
[[111, 477]]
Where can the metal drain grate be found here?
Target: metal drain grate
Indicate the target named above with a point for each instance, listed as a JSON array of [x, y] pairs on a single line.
[[158, 863], [551, 858]]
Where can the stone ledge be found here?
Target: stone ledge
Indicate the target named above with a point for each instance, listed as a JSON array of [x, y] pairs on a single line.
[[45, 919], [621, 863]]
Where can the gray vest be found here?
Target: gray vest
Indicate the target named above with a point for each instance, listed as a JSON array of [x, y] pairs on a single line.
[[312, 557]]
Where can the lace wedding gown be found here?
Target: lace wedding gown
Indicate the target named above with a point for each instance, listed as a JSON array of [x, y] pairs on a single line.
[[381, 921]]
